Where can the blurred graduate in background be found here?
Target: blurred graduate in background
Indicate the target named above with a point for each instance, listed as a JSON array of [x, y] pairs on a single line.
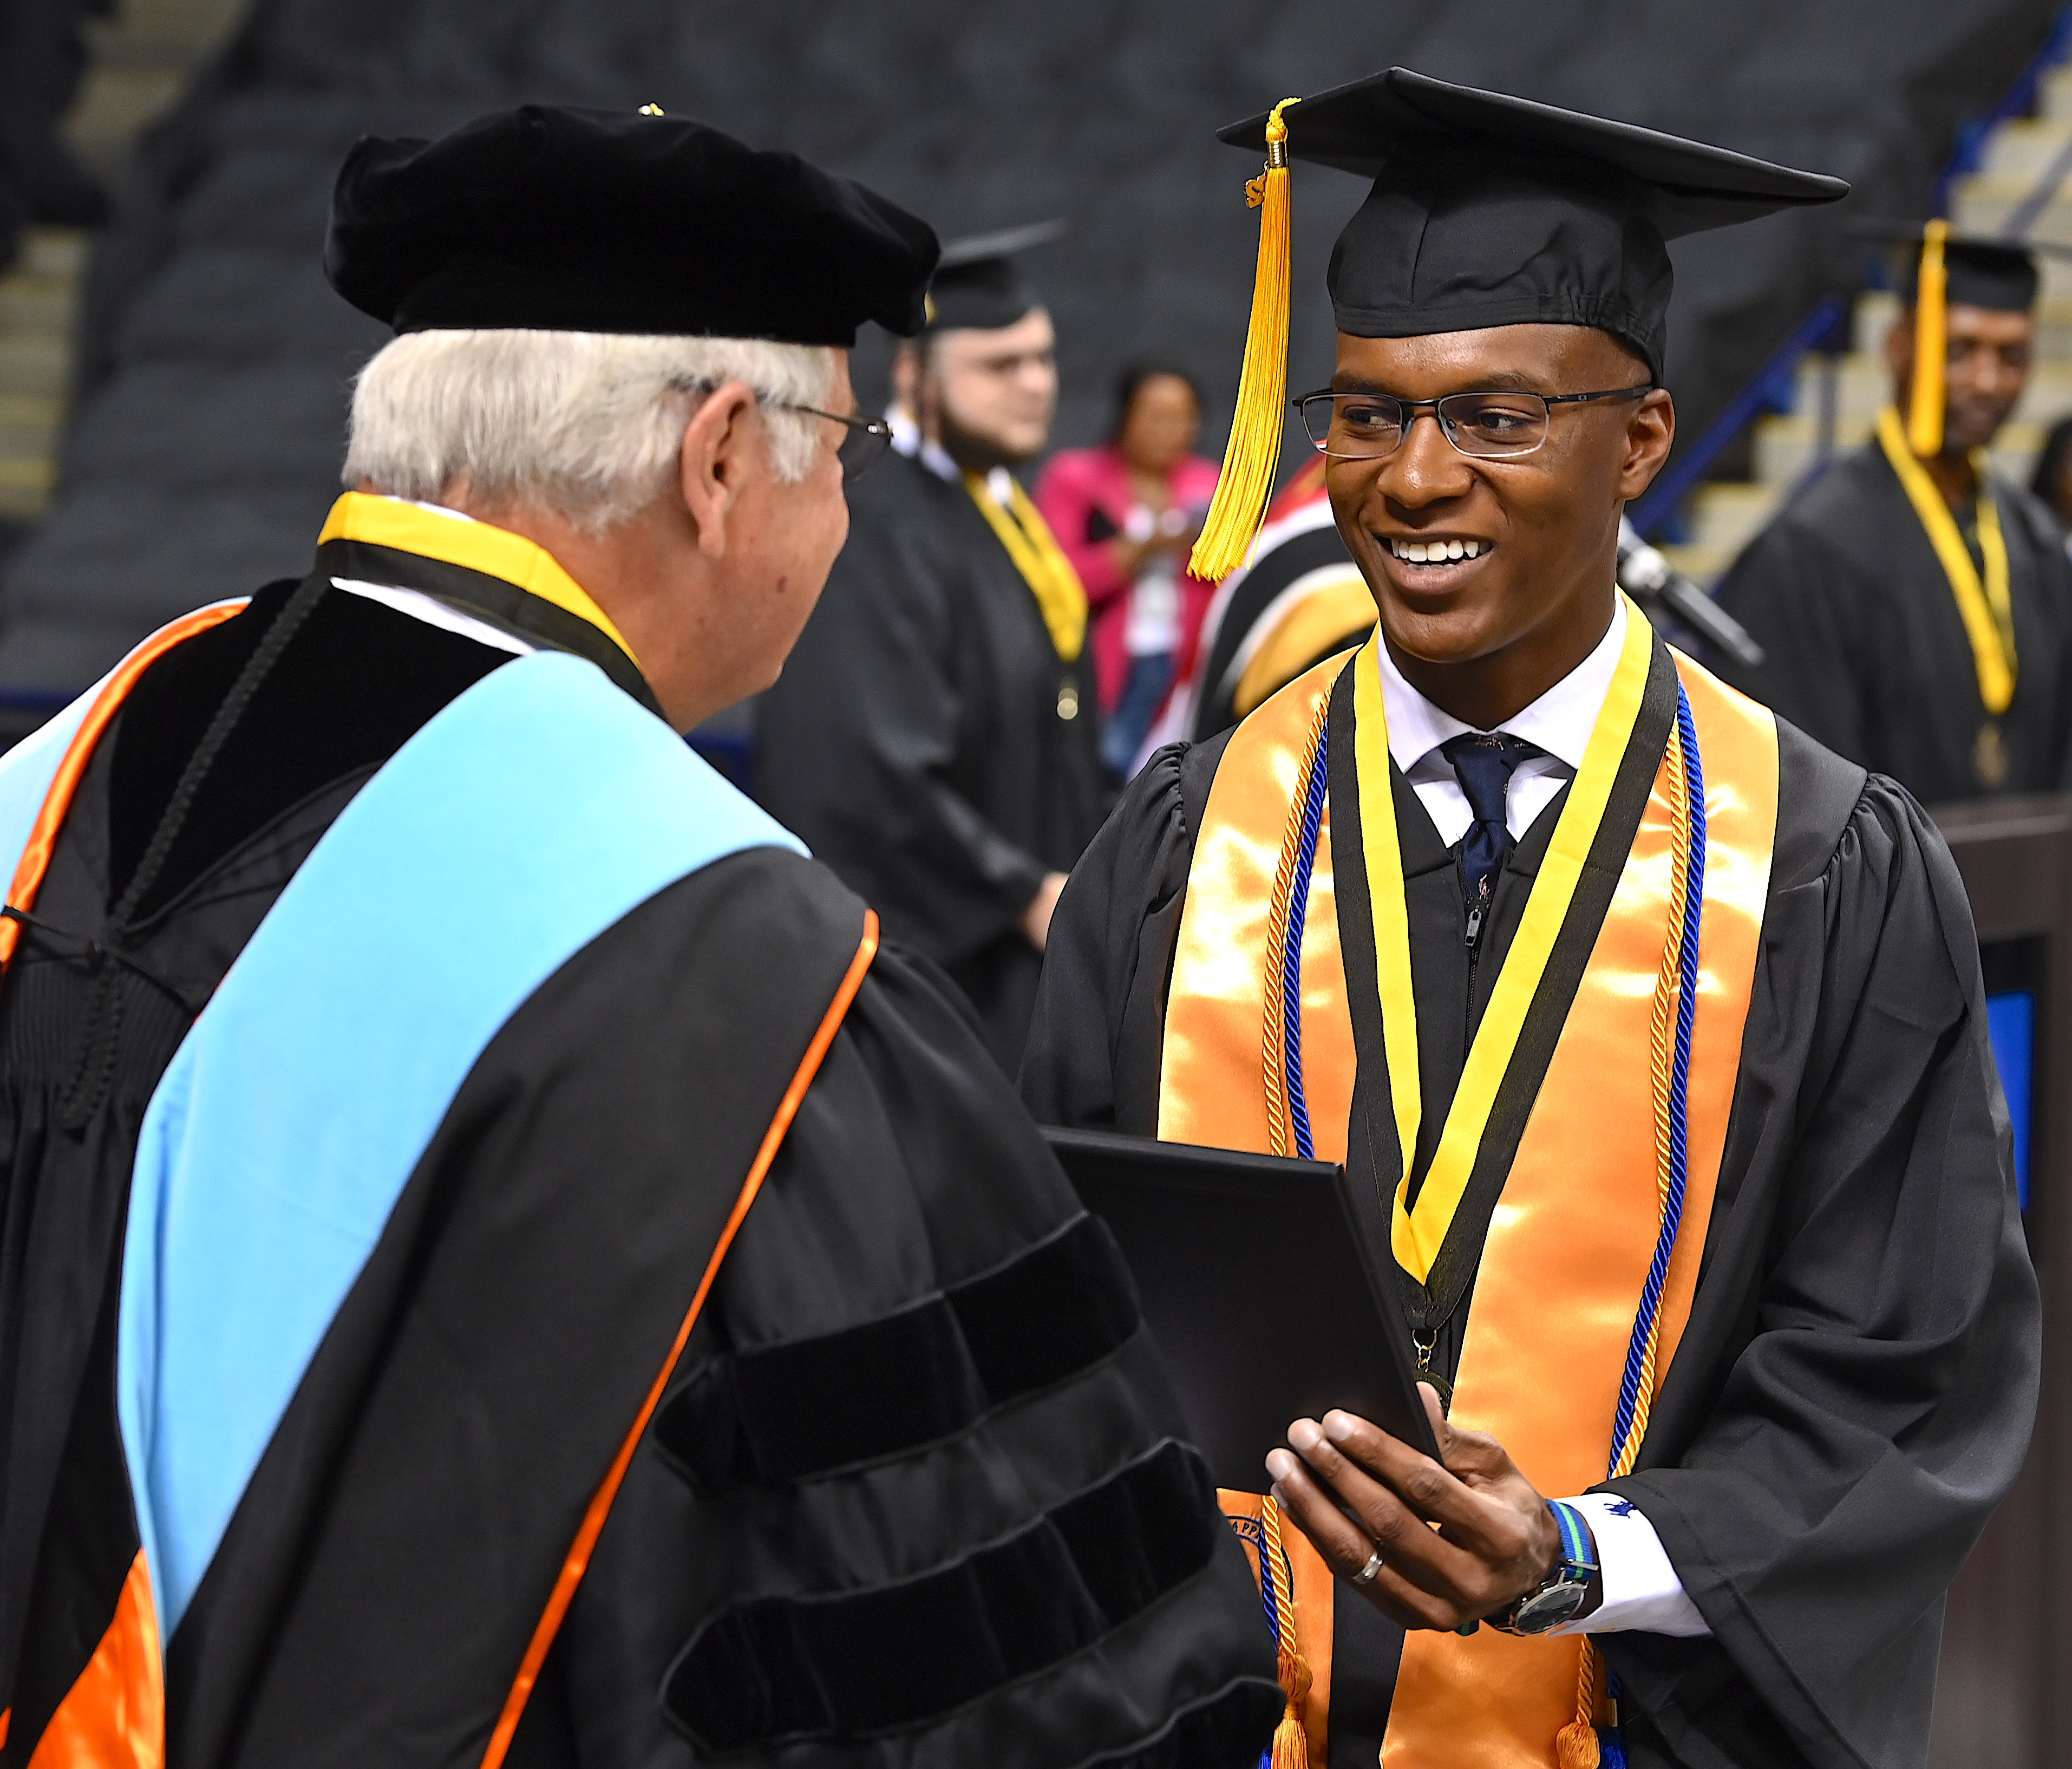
[[1915, 608], [935, 737]]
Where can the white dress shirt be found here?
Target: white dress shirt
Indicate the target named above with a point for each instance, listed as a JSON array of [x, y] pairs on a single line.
[[1641, 1588], [1560, 722]]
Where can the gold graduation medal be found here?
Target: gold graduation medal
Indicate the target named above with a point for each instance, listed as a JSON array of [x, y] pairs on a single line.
[[1989, 756]]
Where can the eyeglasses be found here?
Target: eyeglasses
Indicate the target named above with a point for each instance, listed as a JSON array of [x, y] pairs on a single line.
[[865, 440], [1490, 426]]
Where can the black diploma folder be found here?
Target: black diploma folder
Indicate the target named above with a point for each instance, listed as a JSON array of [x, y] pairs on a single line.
[[1257, 1281]]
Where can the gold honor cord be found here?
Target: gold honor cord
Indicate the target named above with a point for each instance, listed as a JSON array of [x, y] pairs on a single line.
[[1060, 597], [1986, 609], [1419, 1234]]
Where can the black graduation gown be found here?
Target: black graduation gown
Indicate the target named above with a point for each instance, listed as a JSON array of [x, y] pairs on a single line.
[[1855, 1388], [914, 740], [1866, 651], [913, 1493]]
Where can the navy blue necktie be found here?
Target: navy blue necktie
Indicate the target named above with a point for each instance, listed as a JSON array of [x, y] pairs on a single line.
[[1483, 761]]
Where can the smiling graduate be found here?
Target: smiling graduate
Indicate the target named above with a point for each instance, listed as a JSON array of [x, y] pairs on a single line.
[[1655, 1028]]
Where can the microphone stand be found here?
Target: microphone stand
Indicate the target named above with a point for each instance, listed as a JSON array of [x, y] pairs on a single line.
[[1660, 588]]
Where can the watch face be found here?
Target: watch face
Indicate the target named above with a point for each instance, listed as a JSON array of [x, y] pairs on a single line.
[[1549, 1608]]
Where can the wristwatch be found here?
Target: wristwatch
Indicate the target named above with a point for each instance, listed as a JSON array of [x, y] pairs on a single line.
[[1561, 1596]]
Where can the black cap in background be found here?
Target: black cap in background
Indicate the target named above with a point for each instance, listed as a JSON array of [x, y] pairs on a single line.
[[564, 220], [1488, 210], [1982, 270], [979, 284]]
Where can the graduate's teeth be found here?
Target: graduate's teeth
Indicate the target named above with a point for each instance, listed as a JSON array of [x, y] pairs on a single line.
[[1434, 552]]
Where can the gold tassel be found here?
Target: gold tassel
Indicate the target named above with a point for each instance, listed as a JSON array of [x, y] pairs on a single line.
[[1575, 1744], [1931, 343], [1575, 1747], [1291, 1737], [1253, 456]]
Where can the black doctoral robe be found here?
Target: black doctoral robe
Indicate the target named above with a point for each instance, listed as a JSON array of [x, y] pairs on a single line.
[[916, 740], [1855, 1388], [1866, 651], [914, 1493]]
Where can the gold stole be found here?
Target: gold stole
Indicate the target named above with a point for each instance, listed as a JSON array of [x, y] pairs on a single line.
[[1580, 1204], [1060, 597]]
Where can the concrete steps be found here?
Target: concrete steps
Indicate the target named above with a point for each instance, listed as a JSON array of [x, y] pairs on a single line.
[[143, 58]]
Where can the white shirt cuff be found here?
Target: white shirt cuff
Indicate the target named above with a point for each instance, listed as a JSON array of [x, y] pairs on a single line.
[[1642, 1593]]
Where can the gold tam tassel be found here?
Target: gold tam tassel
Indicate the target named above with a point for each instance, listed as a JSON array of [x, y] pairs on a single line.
[[1253, 456], [1291, 1737], [1575, 1744], [1931, 344]]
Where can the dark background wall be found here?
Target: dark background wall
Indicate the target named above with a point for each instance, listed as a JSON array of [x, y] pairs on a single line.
[[215, 363]]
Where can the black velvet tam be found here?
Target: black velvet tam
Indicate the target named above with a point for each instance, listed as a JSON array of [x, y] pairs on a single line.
[[586, 220], [980, 284], [1489, 210]]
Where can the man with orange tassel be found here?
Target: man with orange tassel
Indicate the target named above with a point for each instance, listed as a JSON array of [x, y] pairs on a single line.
[[1654, 1029], [1915, 606]]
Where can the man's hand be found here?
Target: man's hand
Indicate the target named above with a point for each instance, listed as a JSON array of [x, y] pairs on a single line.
[[1495, 1539], [1036, 917]]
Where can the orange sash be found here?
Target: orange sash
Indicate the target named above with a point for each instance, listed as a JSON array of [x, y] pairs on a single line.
[[1579, 1215]]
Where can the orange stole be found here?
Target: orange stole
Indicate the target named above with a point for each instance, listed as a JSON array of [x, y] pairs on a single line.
[[1580, 1202], [1211, 1084], [114, 1716]]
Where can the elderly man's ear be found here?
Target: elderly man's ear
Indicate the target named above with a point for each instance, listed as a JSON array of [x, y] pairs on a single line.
[[723, 444]]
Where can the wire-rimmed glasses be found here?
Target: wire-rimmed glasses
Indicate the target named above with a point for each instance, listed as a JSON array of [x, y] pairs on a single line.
[[1490, 426], [864, 441]]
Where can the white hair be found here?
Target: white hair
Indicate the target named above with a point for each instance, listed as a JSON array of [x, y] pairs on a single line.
[[588, 423]]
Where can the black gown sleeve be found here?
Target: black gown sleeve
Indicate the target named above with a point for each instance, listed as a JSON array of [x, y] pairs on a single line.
[[858, 745], [1856, 1389], [1092, 1061], [919, 1494], [1804, 605]]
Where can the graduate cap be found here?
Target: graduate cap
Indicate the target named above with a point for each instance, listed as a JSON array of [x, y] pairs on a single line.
[[1486, 210], [566, 220], [1946, 269], [979, 284]]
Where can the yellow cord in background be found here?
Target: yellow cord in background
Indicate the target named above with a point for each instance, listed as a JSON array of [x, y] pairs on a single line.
[[1985, 608], [1253, 456]]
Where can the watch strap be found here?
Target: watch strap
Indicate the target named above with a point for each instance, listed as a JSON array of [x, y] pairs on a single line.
[[1575, 1566]]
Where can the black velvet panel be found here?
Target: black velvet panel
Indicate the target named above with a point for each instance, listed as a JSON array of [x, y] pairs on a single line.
[[355, 683], [900, 1656], [786, 1412], [1065, 1304]]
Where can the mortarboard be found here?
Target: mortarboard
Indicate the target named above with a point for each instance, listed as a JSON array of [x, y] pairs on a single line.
[[557, 219], [979, 284], [1486, 210], [1945, 270]]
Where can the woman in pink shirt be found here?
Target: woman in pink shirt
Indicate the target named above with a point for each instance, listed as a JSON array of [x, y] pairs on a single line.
[[1126, 513]]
